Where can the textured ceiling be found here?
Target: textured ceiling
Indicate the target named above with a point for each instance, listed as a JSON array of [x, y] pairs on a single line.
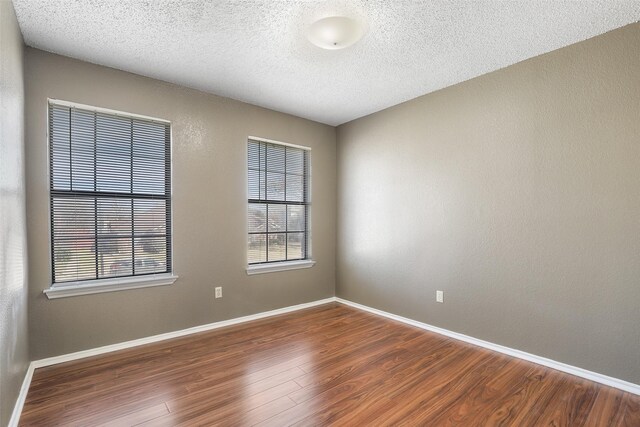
[[256, 50]]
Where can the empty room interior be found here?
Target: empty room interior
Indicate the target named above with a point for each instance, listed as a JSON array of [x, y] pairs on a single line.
[[319, 213]]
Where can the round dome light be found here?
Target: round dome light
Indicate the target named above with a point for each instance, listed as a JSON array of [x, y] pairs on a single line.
[[335, 32]]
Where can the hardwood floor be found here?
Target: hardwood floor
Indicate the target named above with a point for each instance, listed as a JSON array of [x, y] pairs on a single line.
[[329, 365]]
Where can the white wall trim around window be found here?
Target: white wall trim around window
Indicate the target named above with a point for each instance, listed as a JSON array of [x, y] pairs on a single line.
[[273, 141], [279, 266], [88, 287]]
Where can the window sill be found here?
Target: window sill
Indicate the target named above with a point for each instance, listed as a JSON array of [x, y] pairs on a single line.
[[279, 266], [73, 289]]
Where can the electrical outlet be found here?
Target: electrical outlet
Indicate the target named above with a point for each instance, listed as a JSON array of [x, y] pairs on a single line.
[[219, 292], [439, 296]]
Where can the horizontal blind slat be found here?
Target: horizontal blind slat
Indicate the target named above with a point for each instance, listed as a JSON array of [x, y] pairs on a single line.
[[110, 195], [278, 203]]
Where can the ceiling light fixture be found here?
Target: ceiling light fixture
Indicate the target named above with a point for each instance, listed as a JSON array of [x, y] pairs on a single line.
[[335, 32]]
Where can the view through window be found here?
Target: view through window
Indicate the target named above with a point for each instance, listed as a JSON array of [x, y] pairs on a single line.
[[110, 189], [278, 211]]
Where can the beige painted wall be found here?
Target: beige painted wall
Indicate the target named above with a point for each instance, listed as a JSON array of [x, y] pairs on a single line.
[[14, 357], [518, 194], [209, 210]]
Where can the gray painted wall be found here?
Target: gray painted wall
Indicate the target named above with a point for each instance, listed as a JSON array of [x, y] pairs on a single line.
[[518, 194], [14, 358], [209, 210]]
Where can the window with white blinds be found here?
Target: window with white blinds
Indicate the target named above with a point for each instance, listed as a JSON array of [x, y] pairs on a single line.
[[110, 189], [278, 207]]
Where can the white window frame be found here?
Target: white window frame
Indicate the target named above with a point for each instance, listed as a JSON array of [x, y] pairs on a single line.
[[94, 286], [279, 266]]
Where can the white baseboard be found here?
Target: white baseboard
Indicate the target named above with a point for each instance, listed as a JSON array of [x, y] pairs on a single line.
[[17, 410], [573, 370], [169, 335], [22, 397]]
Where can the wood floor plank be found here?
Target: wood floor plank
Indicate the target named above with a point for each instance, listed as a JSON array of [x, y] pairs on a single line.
[[631, 414], [571, 405], [464, 406], [519, 389], [259, 393], [327, 365], [137, 417], [607, 409], [422, 404], [375, 369]]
